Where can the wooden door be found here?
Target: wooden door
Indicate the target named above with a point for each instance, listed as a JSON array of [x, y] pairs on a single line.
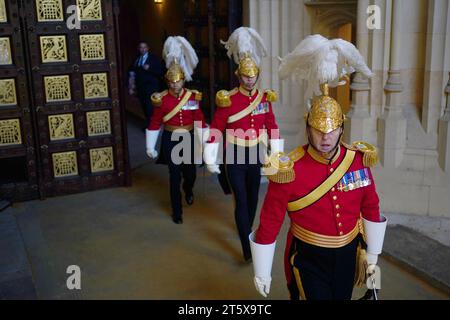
[[74, 95], [206, 23], [18, 155]]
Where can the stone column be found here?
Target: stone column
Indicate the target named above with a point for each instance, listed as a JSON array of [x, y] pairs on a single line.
[[435, 63], [356, 127], [279, 24], [444, 134], [392, 125]]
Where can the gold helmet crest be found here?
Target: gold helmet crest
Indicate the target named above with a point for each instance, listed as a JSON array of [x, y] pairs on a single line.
[[180, 58], [323, 62], [325, 114], [246, 47], [174, 73], [247, 67]]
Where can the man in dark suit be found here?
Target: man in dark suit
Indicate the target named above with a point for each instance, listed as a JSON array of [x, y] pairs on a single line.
[[144, 78]]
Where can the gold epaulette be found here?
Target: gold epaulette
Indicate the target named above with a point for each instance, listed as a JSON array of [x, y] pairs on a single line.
[[283, 165], [233, 91], [197, 95], [157, 98], [271, 95], [297, 154], [223, 99], [370, 157]]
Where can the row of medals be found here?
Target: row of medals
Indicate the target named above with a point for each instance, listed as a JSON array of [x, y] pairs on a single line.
[[354, 180]]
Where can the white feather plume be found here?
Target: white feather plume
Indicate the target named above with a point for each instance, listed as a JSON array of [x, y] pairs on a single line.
[[245, 40], [180, 50], [320, 60]]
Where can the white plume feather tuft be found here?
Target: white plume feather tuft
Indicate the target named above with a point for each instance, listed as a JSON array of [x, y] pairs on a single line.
[[320, 60], [178, 49], [243, 41]]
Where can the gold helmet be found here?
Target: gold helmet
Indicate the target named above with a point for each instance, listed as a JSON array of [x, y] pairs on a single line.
[[322, 61], [325, 114], [175, 72], [246, 47], [180, 58], [247, 67]]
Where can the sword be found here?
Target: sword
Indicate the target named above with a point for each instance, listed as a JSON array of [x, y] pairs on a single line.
[[374, 286]]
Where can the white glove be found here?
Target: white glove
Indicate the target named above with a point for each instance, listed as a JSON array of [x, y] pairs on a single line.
[[153, 154], [210, 156], [203, 134], [276, 145], [371, 258], [371, 269], [213, 168], [262, 256], [372, 262], [151, 136], [262, 285], [374, 238]]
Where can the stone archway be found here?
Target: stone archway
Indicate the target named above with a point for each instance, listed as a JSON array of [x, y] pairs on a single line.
[[336, 21]]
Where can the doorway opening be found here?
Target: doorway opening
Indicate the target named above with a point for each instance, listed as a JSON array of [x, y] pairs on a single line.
[[202, 22], [335, 20]]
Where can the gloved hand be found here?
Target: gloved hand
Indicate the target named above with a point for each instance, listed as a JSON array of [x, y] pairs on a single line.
[[210, 155], [151, 136], [262, 285], [374, 238], [372, 263], [152, 153], [213, 168], [262, 256]]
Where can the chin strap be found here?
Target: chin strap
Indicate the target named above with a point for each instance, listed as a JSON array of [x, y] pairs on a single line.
[[335, 149]]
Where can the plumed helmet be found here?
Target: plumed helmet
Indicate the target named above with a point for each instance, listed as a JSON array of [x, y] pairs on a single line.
[[180, 59], [247, 48], [247, 67], [175, 72], [325, 113], [323, 63]]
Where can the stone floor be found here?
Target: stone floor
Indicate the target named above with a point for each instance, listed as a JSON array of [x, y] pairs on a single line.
[[127, 247]]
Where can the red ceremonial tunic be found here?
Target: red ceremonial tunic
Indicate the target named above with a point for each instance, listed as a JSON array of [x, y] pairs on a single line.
[[335, 214], [252, 125], [186, 116]]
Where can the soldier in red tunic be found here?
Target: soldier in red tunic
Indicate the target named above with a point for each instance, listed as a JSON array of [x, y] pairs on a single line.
[[178, 111], [246, 117], [328, 190]]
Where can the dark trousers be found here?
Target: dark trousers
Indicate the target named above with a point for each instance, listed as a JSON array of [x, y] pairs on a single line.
[[144, 96], [244, 181], [322, 273], [177, 172]]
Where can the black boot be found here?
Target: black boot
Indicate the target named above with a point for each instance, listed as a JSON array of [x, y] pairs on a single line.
[[178, 219], [248, 256], [189, 198]]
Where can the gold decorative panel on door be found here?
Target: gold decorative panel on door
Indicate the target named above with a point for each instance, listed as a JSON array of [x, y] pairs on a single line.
[[92, 47], [5, 51], [95, 85], [53, 49], [8, 92], [3, 13], [49, 10], [90, 10], [10, 132]]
